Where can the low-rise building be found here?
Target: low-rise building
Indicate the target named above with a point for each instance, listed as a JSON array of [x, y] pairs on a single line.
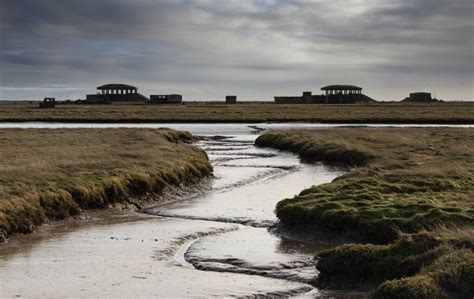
[[231, 99], [333, 94], [48, 103], [166, 99], [116, 93], [419, 97]]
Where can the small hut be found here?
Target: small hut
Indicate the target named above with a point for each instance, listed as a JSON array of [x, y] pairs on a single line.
[[166, 99], [48, 103], [231, 99]]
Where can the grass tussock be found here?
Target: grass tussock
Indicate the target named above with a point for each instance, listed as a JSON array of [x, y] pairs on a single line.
[[410, 191], [457, 113], [428, 264], [53, 174]]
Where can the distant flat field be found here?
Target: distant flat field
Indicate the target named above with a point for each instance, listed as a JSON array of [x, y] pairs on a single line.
[[439, 113]]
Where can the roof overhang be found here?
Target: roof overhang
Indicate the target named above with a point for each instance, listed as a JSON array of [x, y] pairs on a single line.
[[341, 87], [116, 86]]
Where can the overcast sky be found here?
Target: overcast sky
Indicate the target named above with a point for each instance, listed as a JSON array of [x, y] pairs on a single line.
[[256, 49]]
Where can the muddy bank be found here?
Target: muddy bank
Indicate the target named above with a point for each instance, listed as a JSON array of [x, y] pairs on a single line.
[[51, 175], [409, 194]]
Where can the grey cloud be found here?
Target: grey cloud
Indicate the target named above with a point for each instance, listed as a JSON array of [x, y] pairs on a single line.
[[258, 48]]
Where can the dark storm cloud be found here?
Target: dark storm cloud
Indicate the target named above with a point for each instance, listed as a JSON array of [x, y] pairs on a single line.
[[257, 48], [72, 18]]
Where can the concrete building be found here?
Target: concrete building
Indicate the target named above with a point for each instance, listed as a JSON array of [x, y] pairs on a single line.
[[333, 94], [231, 99], [116, 93], [419, 97], [166, 99], [341, 89]]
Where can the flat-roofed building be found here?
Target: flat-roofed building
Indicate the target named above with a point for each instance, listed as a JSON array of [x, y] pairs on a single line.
[[419, 97], [231, 99], [166, 99], [48, 103], [333, 94]]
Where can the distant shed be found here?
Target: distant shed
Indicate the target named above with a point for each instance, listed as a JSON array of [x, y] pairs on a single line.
[[231, 99], [166, 99], [419, 97], [48, 103]]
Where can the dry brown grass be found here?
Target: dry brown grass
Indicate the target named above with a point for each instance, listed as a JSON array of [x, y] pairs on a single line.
[[51, 174], [257, 112]]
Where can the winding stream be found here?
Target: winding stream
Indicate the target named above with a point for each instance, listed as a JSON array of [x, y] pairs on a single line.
[[217, 243]]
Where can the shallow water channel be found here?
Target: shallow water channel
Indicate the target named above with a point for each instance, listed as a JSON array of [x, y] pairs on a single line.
[[220, 242]]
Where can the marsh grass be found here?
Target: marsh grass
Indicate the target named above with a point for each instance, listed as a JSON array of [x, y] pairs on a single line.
[[53, 174], [243, 112], [409, 190]]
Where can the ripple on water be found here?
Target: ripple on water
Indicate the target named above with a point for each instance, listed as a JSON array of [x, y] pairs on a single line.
[[120, 260], [251, 251], [250, 200]]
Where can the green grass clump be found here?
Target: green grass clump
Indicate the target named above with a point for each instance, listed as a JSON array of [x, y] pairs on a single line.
[[376, 208], [404, 179], [416, 287], [431, 264], [405, 257], [53, 174], [450, 276], [405, 182]]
